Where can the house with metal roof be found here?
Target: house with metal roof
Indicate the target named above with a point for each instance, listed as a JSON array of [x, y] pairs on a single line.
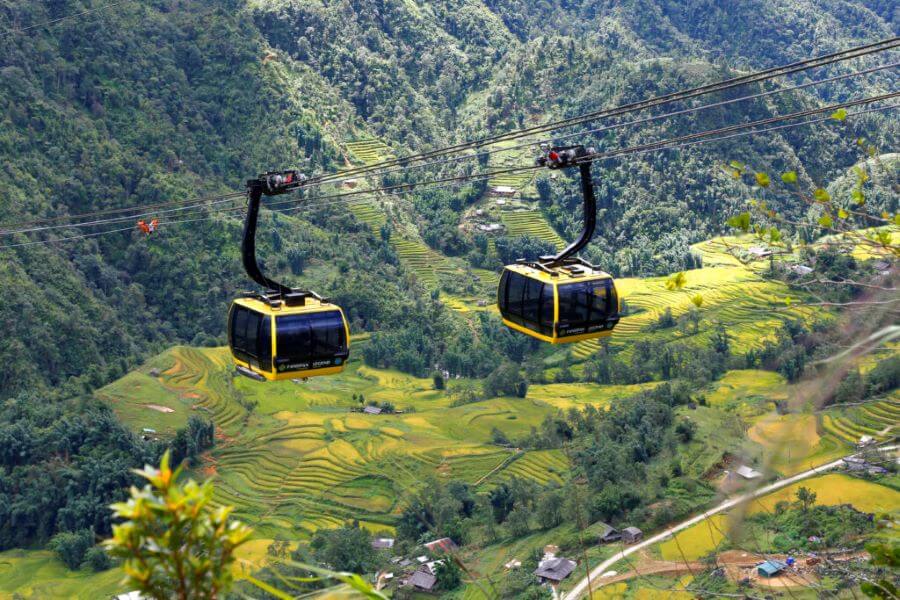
[[422, 581], [770, 568], [630, 535], [383, 543], [554, 570], [609, 534]]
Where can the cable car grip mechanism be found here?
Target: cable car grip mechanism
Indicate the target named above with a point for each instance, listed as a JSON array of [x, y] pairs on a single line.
[[271, 183]]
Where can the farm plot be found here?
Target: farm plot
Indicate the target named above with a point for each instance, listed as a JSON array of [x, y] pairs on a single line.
[[291, 457], [877, 419], [531, 223]]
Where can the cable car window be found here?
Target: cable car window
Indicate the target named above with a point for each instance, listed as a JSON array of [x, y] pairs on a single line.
[[516, 289], [547, 310], [501, 291], [310, 336], [574, 302], [252, 332], [328, 333], [600, 300], [531, 302], [265, 343], [244, 330], [294, 337]]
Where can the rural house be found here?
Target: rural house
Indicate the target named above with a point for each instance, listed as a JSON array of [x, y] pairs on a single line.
[[503, 190], [554, 570], [770, 568], [423, 581], [609, 534], [630, 535], [748, 472], [383, 543], [372, 410]]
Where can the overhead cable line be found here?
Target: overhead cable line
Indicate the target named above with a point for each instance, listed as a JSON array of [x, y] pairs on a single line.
[[614, 126], [670, 144], [52, 22], [120, 219], [686, 94], [139, 211], [756, 77]]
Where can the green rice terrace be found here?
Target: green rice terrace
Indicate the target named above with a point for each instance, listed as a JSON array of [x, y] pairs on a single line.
[[531, 223], [292, 457]]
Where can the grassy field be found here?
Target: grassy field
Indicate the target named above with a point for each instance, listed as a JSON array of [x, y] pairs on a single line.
[[747, 390], [38, 574], [837, 488], [792, 442]]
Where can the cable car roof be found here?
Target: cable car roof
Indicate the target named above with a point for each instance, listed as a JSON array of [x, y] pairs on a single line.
[[563, 274], [261, 305]]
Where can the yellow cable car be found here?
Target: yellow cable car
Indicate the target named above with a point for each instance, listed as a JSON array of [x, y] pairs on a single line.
[[564, 304], [273, 338], [283, 333], [562, 298]]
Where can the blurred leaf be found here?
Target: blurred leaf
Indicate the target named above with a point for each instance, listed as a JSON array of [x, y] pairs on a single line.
[[861, 175], [821, 195], [352, 579], [789, 177], [697, 300], [839, 115], [826, 221], [774, 235], [741, 221], [842, 214], [858, 196], [763, 180], [268, 588]]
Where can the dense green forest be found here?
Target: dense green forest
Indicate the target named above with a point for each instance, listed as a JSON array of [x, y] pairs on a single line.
[[149, 102]]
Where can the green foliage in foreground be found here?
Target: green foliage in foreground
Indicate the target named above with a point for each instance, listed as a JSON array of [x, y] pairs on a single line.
[[173, 543]]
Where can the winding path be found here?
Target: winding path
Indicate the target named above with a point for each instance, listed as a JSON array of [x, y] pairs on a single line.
[[581, 587]]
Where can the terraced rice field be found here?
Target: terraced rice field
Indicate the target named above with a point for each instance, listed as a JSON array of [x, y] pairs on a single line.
[[837, 488], [542, 466], [369, 151], [531, 223], [731, 294], [369, 212], [792, 442], [429, 267], [38, 574], [292, 458], [878, 419], [696, 541]]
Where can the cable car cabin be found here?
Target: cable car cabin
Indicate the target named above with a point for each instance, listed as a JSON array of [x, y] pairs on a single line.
[[272, 339], [558, 304]]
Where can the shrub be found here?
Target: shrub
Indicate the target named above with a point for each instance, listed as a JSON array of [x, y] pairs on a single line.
[[173, 543]]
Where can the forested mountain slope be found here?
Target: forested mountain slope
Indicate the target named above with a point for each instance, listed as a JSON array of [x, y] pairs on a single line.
[[148, 102]]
